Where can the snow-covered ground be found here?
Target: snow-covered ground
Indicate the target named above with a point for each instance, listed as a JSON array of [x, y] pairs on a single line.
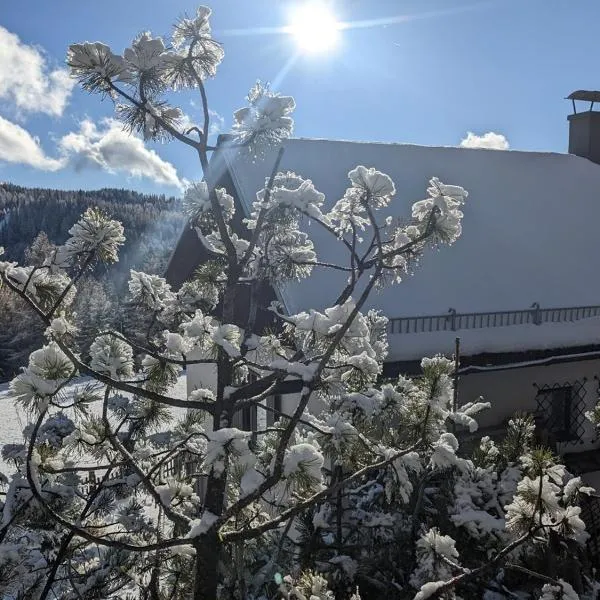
[[13, 418], [12, 421]]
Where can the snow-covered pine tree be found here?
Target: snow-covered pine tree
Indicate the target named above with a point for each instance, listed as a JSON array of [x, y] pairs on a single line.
[[366, 497]]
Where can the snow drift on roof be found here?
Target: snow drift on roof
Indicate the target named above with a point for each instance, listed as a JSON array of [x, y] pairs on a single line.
[[530, 230]]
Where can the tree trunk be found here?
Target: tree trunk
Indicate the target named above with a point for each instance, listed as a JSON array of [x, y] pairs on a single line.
[[208, 551], [207, 568]]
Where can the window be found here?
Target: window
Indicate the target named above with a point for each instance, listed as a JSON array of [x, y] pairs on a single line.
[[560, 412], [245, 418], [561, 409], [273, 403]]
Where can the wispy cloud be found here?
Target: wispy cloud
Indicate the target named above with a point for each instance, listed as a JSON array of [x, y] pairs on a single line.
[[27, 81], [18, 146], [491, 140], [110, 148], [217, 123]]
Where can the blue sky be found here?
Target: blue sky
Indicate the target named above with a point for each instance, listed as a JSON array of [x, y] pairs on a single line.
[[425, 72]]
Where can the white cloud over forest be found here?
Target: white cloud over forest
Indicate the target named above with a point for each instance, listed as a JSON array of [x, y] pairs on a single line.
[[107, 146], [18, 146]]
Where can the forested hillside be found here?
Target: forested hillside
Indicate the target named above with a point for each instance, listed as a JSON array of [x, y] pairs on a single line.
[[151, 222], [32, 218]]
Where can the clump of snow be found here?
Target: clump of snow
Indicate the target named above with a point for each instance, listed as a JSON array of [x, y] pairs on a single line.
[[59, 326], [96, 57], [151, 291], [432, 572], [364, 363], [94, 234], [197, 205], [321, 516], [34, 281], [363, 343], [228, 442], [173, 489], [175, 343], [147, 53], [200, 526], [444, 452], [303, 458], [446, 199], [48, 370], [428, 589], [378, 185], [227, 337], [290, 191], [442, 545], [575, 486], [267, 119], [307, 372], [562, 591], [111, 356], [202, 394], [251, 480], [464, 415]]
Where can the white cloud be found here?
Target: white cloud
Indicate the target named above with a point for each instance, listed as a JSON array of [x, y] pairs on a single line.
[[26, 80], [18, 146], [492, 140], [110, 148], [217, 122]]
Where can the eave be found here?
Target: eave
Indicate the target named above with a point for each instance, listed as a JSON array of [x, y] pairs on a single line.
[[498, 361]]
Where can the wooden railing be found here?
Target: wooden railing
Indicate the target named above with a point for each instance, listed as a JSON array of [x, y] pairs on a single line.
[[453, 321], [185, 467]]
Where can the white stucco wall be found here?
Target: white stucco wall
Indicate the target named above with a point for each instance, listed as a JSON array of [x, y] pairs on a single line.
[[513, 390], [202, 376], [509, 391]]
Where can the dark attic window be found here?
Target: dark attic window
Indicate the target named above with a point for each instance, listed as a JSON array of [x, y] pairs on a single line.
[[561, 408]]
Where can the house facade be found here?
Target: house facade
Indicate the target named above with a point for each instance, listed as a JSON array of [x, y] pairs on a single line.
[[520, 288]]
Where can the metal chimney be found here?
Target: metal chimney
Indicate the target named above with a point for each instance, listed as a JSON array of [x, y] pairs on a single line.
[[584, 126]]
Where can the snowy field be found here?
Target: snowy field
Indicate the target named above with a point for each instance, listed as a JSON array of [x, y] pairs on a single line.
[[13, 418]]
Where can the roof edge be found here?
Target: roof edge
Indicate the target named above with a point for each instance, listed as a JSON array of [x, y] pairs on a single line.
[[223, 139], [497, 361]]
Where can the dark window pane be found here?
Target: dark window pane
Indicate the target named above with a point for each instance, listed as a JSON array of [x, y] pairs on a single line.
[[273, 403], [561, 410]]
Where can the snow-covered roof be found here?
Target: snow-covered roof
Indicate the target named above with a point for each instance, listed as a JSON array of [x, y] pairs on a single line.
[[530, 233]]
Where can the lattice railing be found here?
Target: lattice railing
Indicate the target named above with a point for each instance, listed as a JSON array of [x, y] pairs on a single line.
[[453, 321], [590, 513], [561, 410]]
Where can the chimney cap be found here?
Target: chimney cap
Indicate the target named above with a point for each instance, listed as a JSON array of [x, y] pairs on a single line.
[[585, 95]]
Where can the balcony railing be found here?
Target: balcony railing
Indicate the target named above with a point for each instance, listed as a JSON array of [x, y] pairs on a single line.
[[184, 466], [454, 321]]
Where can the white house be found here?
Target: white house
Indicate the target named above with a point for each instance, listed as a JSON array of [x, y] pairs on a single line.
[[520, 288]]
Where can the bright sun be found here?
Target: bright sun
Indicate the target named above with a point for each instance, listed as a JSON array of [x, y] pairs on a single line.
[[314, 27]]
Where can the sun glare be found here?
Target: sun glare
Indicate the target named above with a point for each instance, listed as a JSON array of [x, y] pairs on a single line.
[[314, 27]]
